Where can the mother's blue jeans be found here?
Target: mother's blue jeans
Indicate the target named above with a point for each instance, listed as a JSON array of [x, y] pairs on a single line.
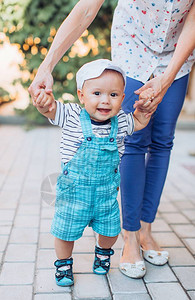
[[145, 162]]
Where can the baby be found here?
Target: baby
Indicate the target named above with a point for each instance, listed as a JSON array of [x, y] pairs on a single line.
[[91, 146]]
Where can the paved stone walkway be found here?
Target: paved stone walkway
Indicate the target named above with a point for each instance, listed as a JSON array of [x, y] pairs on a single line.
[[26, 247]]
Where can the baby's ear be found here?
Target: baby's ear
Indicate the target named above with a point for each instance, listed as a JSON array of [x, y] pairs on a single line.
[[80, 96]]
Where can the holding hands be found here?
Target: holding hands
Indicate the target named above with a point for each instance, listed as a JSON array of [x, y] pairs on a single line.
[[44, 99], [144, 104], [142, 112], [159, 85], [44, 102]]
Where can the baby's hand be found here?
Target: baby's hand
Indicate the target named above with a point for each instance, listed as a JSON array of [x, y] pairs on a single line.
[[145, 99], [146, 96], [45, 100]]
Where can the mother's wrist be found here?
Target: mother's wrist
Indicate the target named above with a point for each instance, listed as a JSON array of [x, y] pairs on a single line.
[[170, 74], [167, 79], [45, 67], [42, 73]]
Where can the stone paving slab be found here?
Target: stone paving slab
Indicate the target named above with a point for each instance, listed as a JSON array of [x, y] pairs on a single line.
[[20, 253], [180, 257], [16, 292], [190, 214], [1, 257], [7, 215], [186, 276], [24, 235], [46, 241], [192, 295], [5, 230], [159, 274], [131, 297], [184, 231], [167, 207], [24, 271], [167, 239], [28, 210], [45, 282], [47, 213], [175, 218], [66, 296], [27, 247], [91, 286], [45, 258], [3, 242], [84, 245], [83, 263], [168, 291], [122, 284], [160, 225], [26, 221], [190, 243], [184, 205]]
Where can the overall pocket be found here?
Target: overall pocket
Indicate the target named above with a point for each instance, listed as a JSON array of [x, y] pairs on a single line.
[[65, 190]]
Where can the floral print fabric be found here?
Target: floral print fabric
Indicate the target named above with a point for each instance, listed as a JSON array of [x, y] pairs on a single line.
[[145, 34]]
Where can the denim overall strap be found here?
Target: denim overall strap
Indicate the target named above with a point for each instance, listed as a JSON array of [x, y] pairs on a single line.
[[87, 127], [86, 124], [114, 128]]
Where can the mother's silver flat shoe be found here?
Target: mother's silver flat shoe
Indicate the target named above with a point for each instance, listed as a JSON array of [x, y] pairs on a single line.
[[158, 258], [136, 270]]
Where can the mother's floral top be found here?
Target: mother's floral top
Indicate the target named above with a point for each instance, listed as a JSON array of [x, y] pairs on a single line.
[[144, 36]]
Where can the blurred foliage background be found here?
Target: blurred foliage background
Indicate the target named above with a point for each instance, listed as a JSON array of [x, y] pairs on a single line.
[[32, 24]]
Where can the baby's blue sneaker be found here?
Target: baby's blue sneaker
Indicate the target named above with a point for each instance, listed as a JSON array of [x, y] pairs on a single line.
[[64, 274], [101, 265]]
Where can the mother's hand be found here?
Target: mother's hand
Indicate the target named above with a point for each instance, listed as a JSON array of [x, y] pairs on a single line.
[[160, 86], [42, 80]]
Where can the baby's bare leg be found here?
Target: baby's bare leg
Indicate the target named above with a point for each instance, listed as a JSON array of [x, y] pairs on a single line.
[[106, 242], [63, 248]]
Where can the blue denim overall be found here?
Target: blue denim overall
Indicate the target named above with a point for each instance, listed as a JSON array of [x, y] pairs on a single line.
[[88, 186]]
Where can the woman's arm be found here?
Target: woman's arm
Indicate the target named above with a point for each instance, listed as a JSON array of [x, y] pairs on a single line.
[[184, 48], [70, 30]]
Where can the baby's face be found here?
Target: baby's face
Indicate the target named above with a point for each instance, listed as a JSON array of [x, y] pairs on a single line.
[[103, 96]]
